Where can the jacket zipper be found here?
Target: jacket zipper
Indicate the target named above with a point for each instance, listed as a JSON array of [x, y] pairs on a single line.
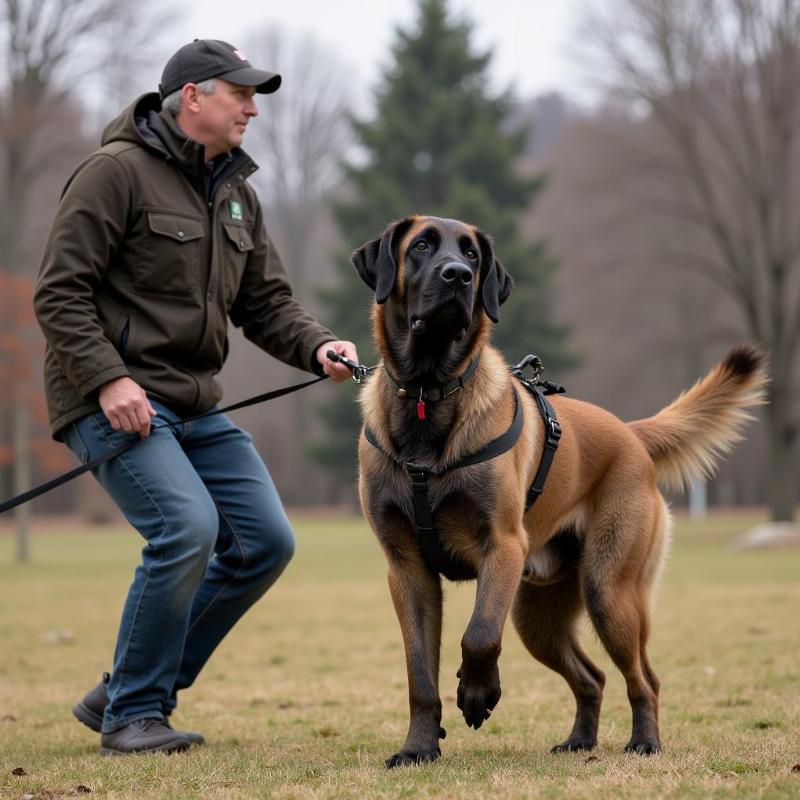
[[232, 170]]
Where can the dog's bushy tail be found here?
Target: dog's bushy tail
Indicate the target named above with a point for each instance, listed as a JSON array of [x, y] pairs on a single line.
[[686, 438]]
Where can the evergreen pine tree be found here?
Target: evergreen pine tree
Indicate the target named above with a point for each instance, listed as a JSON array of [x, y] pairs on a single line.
[[439, 145]]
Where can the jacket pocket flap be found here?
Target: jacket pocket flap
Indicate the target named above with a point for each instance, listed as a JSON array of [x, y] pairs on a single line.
[[179, 228], [239, 236]]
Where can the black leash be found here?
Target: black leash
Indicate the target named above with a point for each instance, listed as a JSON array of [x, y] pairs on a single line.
[[7, 505]]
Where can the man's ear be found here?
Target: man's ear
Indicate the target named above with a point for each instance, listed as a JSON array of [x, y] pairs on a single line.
[[496, 283], [376, 261]]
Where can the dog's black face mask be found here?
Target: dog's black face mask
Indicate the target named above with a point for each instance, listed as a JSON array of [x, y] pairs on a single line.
[[441, 271], [440, 275]]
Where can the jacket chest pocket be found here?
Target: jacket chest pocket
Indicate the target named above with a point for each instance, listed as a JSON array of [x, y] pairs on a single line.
[[237, 247], [171, 260]]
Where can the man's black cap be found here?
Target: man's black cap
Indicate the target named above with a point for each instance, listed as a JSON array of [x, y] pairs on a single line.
[[203, 59]]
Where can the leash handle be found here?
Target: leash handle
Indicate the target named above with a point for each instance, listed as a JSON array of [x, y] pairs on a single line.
[[360, 371]]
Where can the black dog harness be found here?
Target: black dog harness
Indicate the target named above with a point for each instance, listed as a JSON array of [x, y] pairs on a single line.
[[427, 538]]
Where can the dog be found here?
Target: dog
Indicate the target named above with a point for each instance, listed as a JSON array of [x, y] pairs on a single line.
[[597, 536]]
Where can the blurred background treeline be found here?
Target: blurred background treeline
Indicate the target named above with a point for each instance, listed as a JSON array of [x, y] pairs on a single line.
[[647, 231]]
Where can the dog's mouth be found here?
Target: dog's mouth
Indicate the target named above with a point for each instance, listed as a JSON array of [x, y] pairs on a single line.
[[449, 320], [419, 327]]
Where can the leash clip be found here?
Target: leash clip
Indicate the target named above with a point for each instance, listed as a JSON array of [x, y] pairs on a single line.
[[535, 381], [532, 361], [359, 371]]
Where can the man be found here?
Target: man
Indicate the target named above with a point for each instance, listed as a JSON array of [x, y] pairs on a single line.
[[158, 240]]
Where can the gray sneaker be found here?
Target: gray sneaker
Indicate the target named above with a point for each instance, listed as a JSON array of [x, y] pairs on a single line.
[[143, 736], [90, 711]]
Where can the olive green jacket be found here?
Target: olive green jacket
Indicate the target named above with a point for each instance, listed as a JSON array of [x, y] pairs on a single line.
[[141, 273]]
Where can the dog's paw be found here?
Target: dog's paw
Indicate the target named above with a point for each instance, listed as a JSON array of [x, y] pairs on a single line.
[[407, 758], [643, 748], [573, 745], [477, 695]]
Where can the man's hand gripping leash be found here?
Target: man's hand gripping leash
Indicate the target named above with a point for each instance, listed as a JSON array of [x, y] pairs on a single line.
[[360, 371]]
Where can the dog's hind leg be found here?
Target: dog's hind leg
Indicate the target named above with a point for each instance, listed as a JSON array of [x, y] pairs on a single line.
[[623, 552], [545, 618], [417, 597]]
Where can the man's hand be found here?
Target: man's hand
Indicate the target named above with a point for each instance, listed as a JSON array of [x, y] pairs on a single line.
[[333, 369], [126, 406]]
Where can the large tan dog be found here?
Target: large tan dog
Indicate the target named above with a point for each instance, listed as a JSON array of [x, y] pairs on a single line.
[[596, 537]]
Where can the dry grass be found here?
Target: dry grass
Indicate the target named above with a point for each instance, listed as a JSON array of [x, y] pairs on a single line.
[[308, 694]]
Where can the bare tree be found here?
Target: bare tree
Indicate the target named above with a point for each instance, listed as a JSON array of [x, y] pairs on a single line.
[[48, 49], [300, 139], [722, 80], [122, 65]]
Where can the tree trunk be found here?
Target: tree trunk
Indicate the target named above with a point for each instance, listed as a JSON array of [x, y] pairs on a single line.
[[15, 198], [22, 475], [298, 227], [781, 454]]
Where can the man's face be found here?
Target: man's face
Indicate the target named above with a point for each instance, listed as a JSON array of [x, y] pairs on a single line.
[[222, 117]]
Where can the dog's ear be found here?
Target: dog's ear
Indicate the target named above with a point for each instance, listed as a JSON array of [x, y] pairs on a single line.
[[496, 283], [376, 261]]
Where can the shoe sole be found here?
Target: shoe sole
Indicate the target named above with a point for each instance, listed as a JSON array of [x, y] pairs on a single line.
[[88, 717], [167, 748]]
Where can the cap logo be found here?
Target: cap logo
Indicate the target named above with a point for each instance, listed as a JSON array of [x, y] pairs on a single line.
[[240, 55]]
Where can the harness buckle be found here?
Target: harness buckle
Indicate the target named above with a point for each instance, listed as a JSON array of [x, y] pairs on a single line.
[[553, 432], [419, 475]]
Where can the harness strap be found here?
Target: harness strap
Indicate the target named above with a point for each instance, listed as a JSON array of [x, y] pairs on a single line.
[[552, 437], [499, 445], [493, 449], [429, 543], [427, 539]]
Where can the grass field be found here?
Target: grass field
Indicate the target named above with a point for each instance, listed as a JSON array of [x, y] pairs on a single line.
[[308, 694]]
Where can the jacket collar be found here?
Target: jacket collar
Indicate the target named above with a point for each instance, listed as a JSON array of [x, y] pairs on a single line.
[[145, 123], [190, 154]]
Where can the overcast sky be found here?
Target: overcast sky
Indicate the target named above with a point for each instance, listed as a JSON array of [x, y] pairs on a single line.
[[532, 40]]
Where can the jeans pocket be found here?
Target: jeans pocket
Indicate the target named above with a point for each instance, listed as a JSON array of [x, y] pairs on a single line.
[[74, 441]]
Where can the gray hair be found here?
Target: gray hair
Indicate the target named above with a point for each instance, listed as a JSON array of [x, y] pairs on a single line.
[[173, 102]]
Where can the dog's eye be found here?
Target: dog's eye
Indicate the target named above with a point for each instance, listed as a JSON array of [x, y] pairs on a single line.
[[471, 252], [421, 245]]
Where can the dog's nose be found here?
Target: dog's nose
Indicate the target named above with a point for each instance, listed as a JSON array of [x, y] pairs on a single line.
[[455, 273]]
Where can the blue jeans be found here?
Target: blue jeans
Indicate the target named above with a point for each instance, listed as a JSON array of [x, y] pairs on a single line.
[[217, 538]]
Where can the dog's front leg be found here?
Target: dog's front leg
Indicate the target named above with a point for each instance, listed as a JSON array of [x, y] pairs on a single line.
[[498, 579], [417, 597]]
